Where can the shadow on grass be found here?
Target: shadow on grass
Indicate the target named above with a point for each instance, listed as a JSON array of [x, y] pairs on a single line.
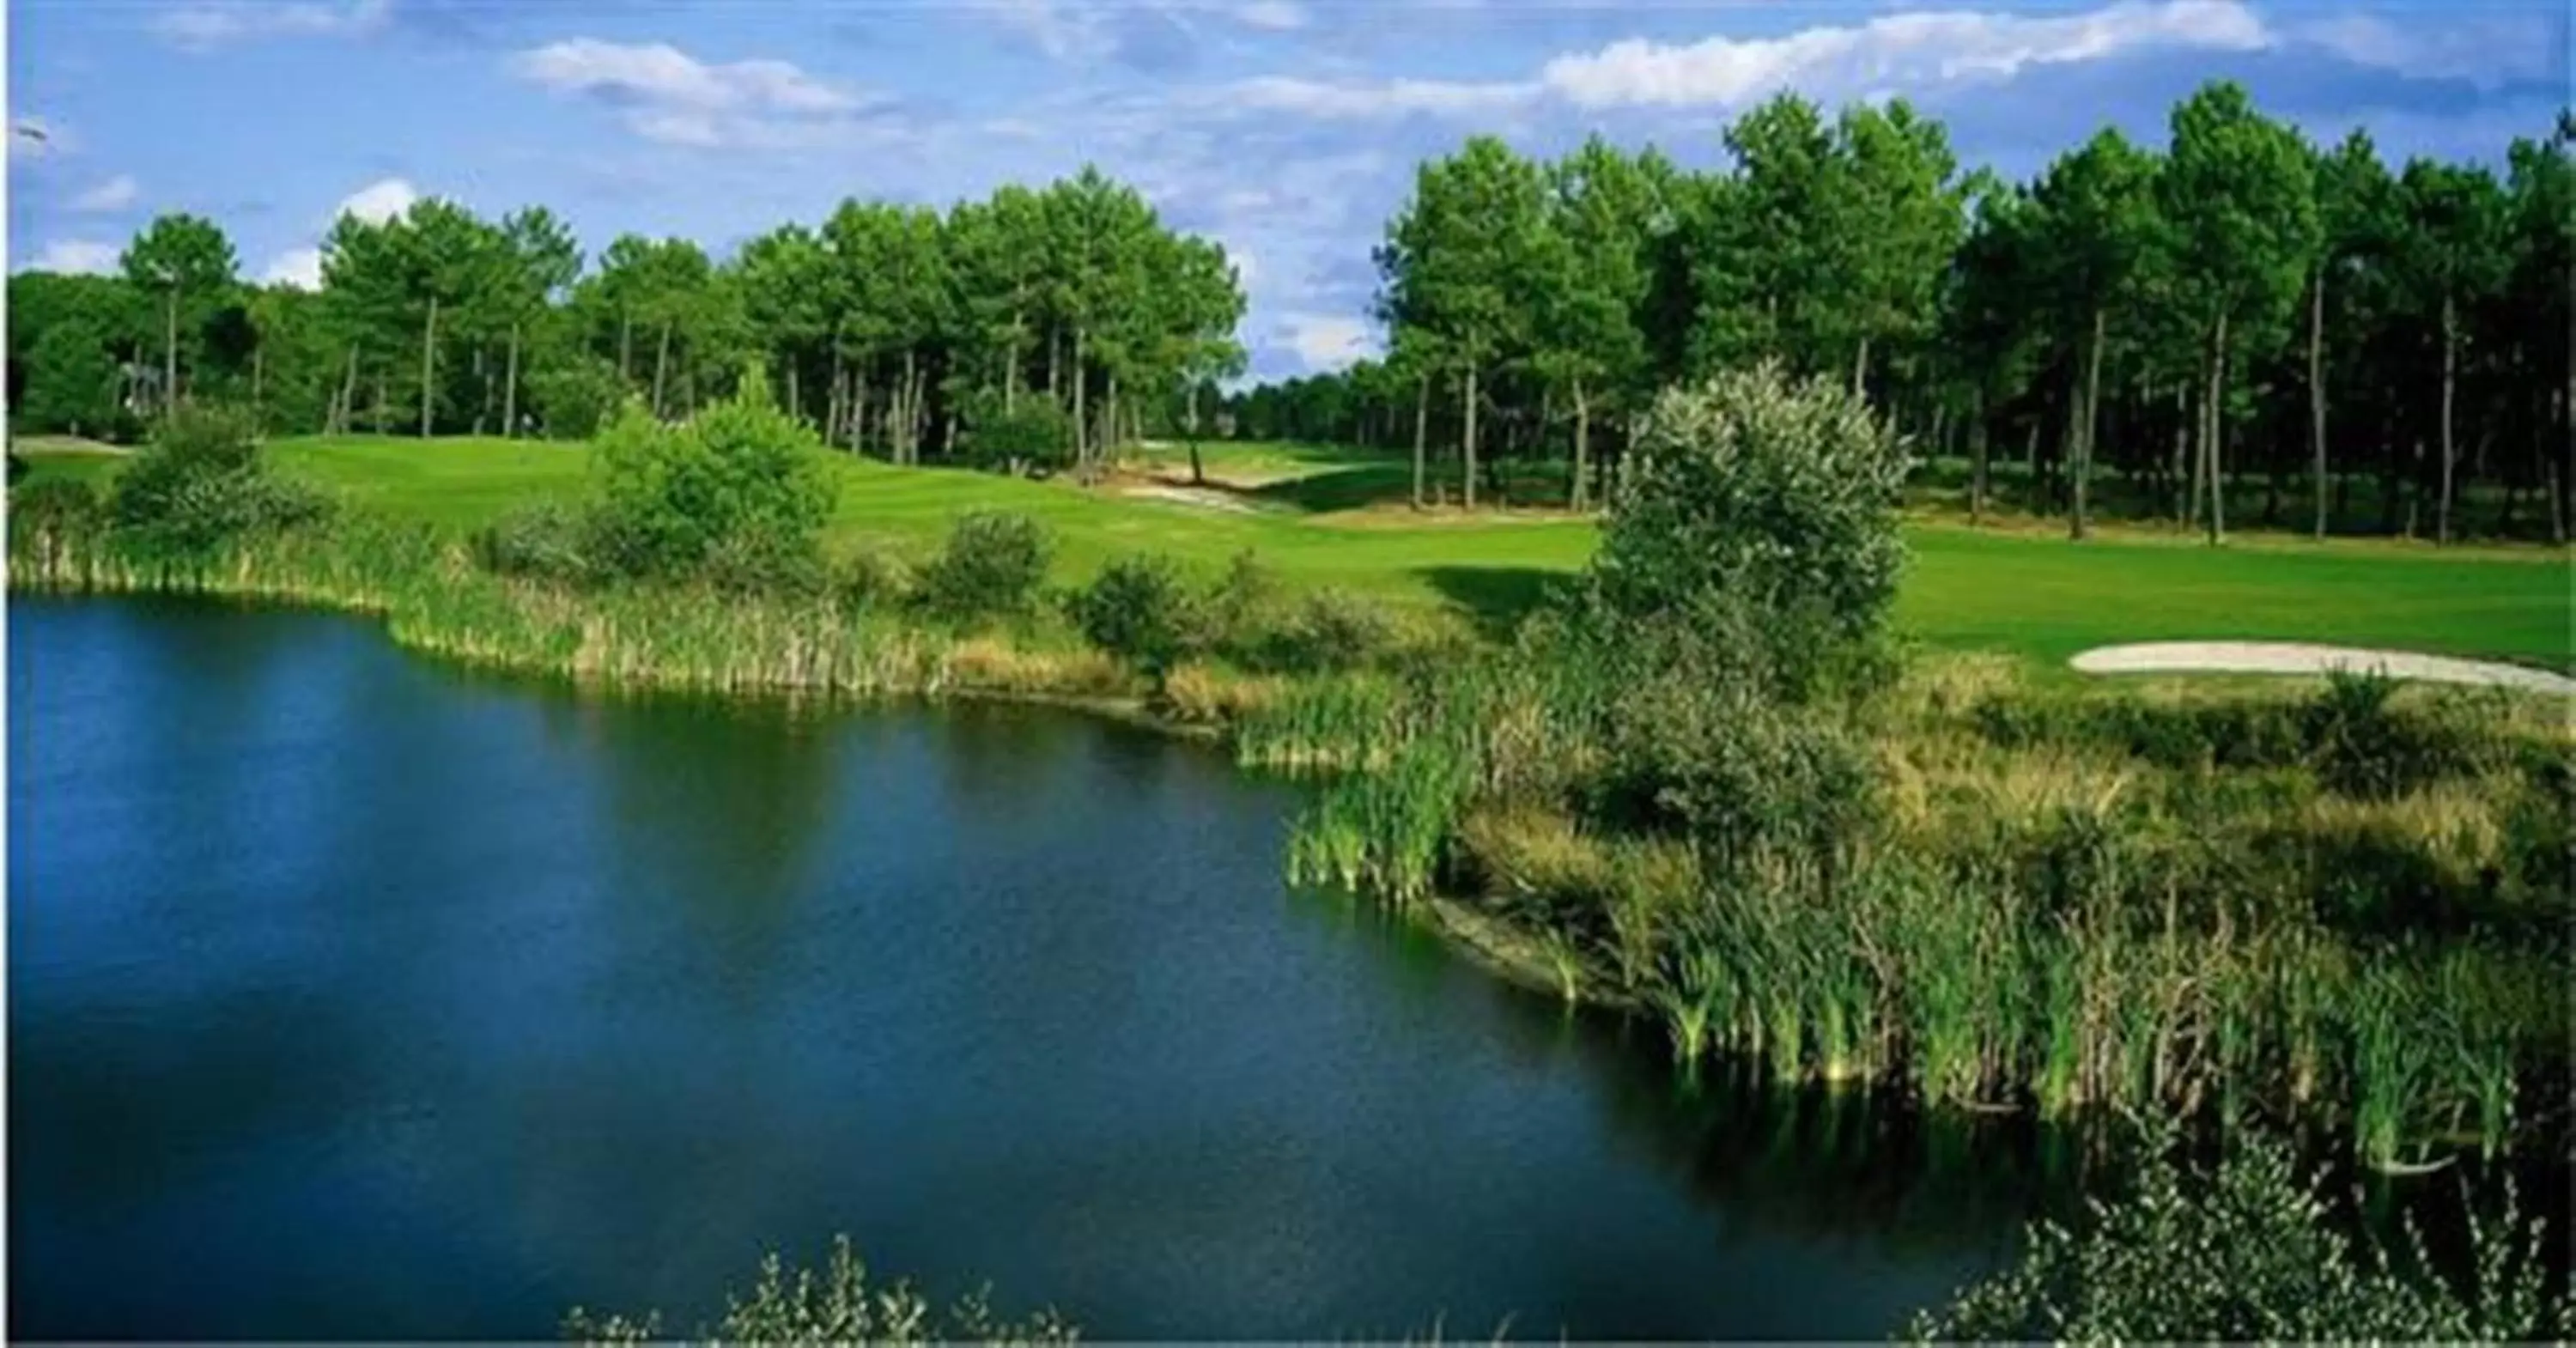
[[1495, 597], [1341, 488]]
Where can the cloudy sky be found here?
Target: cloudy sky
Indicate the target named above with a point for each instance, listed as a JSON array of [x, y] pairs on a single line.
[[1286, 128]]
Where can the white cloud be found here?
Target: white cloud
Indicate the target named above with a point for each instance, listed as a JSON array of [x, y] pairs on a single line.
[[674, 98], [114, 194], [1317, 98], [297, 267], [1326, 341], [1891, 53], [2483, 48], [205, 26], [1905, 49], [1275, 15], [379, 201], [76, 255]]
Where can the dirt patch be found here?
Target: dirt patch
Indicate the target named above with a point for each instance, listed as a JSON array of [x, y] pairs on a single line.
[[2290, 657]]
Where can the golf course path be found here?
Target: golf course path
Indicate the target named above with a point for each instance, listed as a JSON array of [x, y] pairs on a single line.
[[2290, 657]]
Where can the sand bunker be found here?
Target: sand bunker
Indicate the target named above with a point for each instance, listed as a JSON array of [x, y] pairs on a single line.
[[2290, 657]]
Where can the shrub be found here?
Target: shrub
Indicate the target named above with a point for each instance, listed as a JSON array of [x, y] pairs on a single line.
[[993, 564], [871, 577], [201, 483], [1773, 498], [2251, 1252], [1328, 629], [737, 496], [53, 510], [832, 1304], [1034, 434], [549, 540], [1141, 610], [574, 398]]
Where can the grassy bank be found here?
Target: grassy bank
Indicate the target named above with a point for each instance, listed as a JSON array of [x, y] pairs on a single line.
[[1319, 519]]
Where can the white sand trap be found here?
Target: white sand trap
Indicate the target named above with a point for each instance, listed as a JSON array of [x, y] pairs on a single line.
[[1200, 497], [2291, 657]]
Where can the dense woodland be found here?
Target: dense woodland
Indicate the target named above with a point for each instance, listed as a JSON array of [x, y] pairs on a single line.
[[1036, 321], [2345, 343]]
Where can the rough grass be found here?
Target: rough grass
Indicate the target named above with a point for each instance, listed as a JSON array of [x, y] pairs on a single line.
[[2029, 593]]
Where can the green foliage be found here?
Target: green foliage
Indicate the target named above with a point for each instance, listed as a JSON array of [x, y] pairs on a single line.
[[1761, 506], [1033, 435], [71, 383], [1140, 609], [549, 540], [201, 484], [736, 496], [573, 399], [992, 567], [2253, 1251], [832, 1304]]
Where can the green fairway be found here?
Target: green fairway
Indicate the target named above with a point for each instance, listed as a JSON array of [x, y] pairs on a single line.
[[1293, 507]]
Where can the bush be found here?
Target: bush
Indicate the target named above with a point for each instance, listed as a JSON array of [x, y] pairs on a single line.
[[1140, 610], [549, 540], [737, 496], [992, 567], [573, 399], [871, 578], [1773, 499], [201, 483], [1325, 630], [1034, 434], [2251, 1252]]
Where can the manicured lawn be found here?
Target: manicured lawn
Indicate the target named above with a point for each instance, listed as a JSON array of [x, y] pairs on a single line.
[[1318, 517]]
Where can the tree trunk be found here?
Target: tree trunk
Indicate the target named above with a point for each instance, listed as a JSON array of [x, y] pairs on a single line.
[[1198, 475], [2450, 450], [1860, 366], [1011, 368], [482, 376], [1421, 435], [428, 365], [348, 393], [2083, 465], [661, 368], [1582, 494], [2317, 394], [858, 407], [170, 357], [626, 349], [1977, 451], [380, 400], [1467, 443], [2182, 476], [510, 389], [1109, 442], [2216, 448], [836, 398], [258, 376], [908, 451], [1055, 388], [1081, 431], [795, 403]]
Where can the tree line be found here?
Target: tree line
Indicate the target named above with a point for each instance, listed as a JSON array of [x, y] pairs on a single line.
[[1043, 323], [2240, 320]]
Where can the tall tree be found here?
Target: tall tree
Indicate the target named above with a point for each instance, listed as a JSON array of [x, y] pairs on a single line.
[[2096, 213], [2239, 193], [188, 265], [2453, 259]]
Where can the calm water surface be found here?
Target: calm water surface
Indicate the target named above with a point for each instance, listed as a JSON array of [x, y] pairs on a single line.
[[351, 994]]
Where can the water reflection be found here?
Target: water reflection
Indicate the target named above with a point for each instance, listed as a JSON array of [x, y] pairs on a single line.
[[537, 998]]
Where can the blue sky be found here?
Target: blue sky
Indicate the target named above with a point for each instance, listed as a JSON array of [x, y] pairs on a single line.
[[1286, 128]]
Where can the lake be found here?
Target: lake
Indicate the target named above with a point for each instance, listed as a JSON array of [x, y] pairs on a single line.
[[353, 994]]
